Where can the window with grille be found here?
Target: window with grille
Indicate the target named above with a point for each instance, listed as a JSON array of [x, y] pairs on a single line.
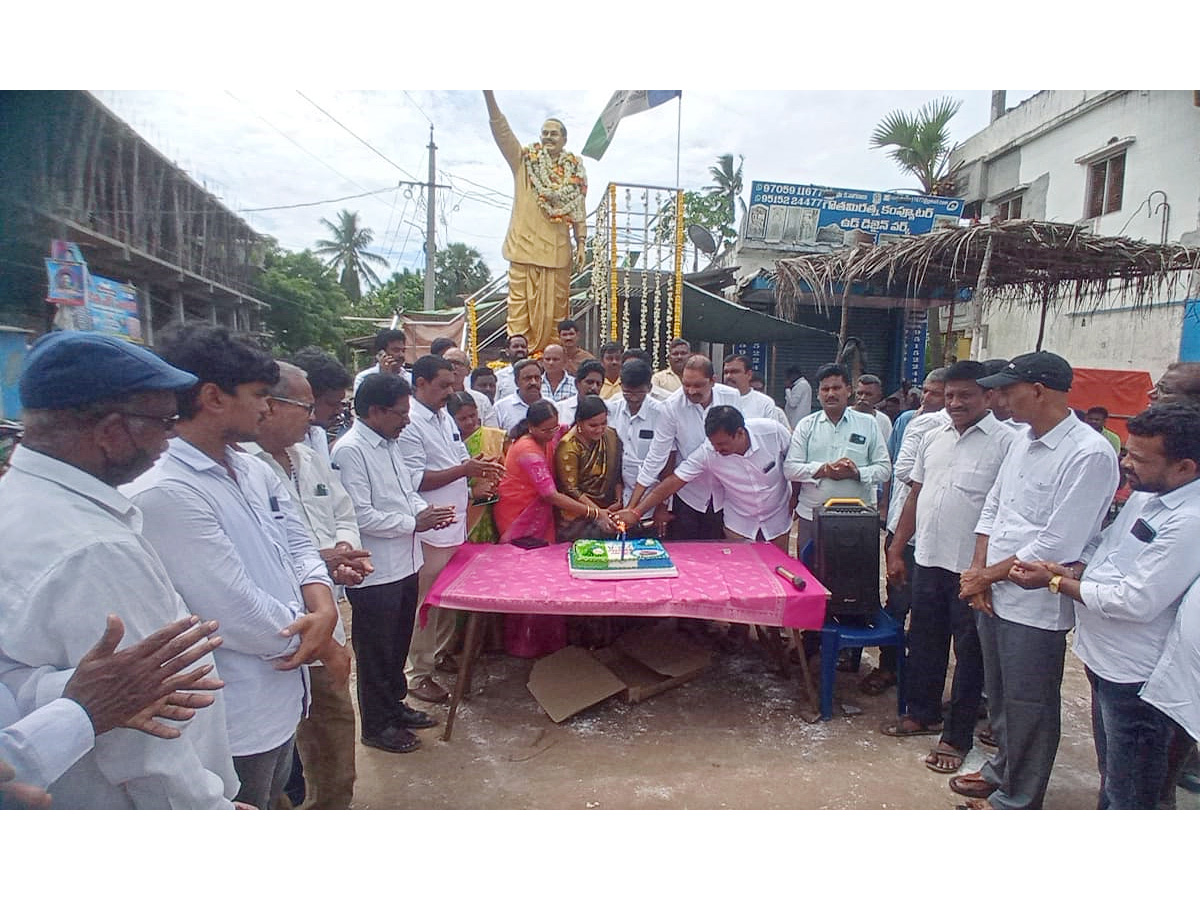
[[1106, 184], [1009, 208]]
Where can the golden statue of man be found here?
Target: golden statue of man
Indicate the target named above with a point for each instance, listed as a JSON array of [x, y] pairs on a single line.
[[550, 187]]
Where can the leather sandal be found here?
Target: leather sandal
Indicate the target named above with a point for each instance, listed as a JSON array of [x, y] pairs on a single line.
[[972, 785]]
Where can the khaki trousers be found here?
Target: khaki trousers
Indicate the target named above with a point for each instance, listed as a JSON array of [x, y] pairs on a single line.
[[429, 644], [538, 299], [781, 542], [326, 744]]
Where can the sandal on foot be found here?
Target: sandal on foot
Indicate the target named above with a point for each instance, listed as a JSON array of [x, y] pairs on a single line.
[[972, 785], [953, 760], [907, 727], [985, 737], [876, 683]]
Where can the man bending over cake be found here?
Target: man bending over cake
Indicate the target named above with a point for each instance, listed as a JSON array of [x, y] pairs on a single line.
[[746, 457]]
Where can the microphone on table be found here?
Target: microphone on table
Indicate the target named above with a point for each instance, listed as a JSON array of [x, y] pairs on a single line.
[[797, 582]]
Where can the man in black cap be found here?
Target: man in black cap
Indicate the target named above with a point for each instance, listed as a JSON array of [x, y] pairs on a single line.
[[1048, 501], [97, 414]]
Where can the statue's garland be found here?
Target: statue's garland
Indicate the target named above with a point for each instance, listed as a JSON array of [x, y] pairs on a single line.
[[560, 184]]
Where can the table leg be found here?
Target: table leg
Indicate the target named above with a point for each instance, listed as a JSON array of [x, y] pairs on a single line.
[[462, 684], [809, 689]]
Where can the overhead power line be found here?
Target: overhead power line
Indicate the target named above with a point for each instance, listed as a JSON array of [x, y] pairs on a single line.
[[362, 141]]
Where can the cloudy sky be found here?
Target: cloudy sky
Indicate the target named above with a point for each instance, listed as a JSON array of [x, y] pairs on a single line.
[[262, 148]]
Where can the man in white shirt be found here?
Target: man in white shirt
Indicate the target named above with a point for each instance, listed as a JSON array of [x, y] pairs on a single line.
[[1049, 500], [107, 689], [696, 512], [954, 468], [390, 345], [751, 403], [589, 379], [238, 551], [1127, 597], [516, 349], [329, 381], [634, 415], [746, 457], [557, 383], [512, 409], [460, 368], [670, 379], [834, 452], [797, 401], [437, 458], [97, 412], [390, 514], [325, 737], [868, 394]]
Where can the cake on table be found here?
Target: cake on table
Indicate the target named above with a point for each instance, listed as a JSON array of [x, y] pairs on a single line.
[[613, 560]]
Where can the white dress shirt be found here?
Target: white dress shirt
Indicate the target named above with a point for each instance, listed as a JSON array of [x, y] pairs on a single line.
[[1174, 685], [74, 551], [317, 440], [902, 465], [757, 495], [46, 743], [636, 433], [238, 551], [797, 401], [432, 443], [1132, 585], [510, 410], [1048, 501], [757, 405], [319, 496], [566, 388], [506, 382], [817, 441], [885, 425], [386, 502], [374, 370], [955, 472], [681, 428], [566, 409]]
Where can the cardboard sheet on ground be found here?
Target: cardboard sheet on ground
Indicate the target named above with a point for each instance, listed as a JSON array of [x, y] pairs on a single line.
[[640, 663]]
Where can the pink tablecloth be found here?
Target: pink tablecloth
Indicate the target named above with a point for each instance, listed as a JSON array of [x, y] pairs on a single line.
[[727, 582]]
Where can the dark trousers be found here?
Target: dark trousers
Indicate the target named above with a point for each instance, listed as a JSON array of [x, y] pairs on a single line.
[[381, 632], [693, 525], [1022, 669], [939, 617], [1132, 744], [264, 775], [899, 602]]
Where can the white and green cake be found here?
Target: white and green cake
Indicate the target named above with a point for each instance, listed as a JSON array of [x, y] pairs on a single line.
[[633, 558]]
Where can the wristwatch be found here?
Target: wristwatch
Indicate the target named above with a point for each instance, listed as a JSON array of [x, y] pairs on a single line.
[[1055, 584]]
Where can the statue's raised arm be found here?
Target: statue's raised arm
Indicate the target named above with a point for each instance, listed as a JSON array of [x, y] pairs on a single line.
[[549, 191]]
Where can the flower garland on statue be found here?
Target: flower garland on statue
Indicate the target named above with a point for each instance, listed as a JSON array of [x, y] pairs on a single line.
[[560, 184]]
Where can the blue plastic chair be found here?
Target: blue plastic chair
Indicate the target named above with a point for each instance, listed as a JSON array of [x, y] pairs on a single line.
[[884, 631]]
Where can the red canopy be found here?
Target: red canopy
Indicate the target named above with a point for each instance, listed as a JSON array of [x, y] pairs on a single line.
[[1124, 394]]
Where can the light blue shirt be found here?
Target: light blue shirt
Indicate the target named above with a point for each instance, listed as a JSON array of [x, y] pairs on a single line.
[[817, 440]]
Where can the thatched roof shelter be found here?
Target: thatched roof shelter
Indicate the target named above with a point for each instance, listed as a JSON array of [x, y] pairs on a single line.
[[1018, 261]]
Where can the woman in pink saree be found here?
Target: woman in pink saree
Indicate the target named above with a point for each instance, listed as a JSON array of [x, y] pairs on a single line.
[[528, 493]]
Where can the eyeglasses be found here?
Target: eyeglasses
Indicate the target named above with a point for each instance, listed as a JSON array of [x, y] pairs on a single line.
[[307, 407], [167, 422]]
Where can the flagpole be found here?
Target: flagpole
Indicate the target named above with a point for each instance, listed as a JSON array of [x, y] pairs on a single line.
[[678, 132]]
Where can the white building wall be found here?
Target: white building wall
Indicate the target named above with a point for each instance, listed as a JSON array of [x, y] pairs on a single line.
[[1037, 143]]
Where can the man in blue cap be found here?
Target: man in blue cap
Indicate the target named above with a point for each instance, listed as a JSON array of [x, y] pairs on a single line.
[[97, 414]]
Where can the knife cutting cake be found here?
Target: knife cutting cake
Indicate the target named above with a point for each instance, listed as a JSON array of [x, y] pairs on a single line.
[[609, 560]]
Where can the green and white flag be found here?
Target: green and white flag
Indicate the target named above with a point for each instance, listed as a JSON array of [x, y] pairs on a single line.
[[622, 104]]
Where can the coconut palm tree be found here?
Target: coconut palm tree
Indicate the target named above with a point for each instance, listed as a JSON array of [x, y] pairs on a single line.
[[347, 254], [922, 142], [728, 183], [458, 270]]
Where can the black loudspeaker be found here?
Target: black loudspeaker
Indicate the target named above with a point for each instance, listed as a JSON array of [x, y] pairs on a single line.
[[846, 552]]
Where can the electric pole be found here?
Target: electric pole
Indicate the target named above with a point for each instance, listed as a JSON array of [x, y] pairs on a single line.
[[430, 246]]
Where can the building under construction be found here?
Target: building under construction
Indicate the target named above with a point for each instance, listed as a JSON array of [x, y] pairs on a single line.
[[71, 170]]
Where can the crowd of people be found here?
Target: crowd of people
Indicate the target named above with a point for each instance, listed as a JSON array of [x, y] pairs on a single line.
[[208, 506]]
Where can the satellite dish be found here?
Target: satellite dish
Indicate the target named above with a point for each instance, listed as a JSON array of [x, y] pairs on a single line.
[[702, 239]]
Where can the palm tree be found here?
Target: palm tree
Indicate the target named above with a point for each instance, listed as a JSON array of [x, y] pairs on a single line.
[[728, 183], [922, 142], [458, 270], [347, 253]]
